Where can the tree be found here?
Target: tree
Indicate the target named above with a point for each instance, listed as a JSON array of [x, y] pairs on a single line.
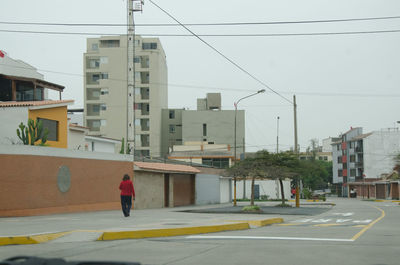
[[266, 165]]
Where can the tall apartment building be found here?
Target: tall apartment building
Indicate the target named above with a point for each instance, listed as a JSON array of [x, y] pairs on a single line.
[[364, 157], [105, 90], [207, 124]]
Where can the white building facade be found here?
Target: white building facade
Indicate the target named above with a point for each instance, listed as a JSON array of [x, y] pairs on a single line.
[[105, 90]]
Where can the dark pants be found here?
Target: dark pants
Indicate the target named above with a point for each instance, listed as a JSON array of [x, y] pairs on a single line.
[[126, 203]]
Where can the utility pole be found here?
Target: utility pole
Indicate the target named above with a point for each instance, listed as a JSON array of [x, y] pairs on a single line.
[[132, 6], [244, 180], [277, 135], [296, 151]]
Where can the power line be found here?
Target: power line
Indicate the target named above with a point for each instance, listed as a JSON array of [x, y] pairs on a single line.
[[223, 55], [208, 35], [327, 94], [201, 24]]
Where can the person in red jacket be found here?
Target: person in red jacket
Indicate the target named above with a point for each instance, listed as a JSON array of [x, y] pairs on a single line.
[[127, 193]]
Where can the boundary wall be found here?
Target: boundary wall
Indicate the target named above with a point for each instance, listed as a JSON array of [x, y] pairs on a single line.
[[44, 180]]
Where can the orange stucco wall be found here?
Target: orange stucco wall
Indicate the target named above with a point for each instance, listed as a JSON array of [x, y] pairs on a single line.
[[29, 184], [58, 114]]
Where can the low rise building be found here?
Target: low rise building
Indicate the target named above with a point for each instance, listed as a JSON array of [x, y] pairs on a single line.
[[208, 124], [359, 157]]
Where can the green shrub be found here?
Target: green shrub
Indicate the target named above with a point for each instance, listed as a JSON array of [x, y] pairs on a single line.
[[307, 194], [254, 208]]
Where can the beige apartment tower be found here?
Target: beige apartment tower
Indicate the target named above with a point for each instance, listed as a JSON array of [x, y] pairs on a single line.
[[105, 90]]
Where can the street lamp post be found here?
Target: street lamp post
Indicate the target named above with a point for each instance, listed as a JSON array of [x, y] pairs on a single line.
[[234, 141]]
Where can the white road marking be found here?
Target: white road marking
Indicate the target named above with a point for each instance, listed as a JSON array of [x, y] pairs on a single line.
[[367, 221], [321, 220], [271, 238], [344, 214], [304, 221], [343, 220]]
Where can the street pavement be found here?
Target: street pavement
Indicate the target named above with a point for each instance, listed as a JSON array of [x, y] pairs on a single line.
[[352, 232]]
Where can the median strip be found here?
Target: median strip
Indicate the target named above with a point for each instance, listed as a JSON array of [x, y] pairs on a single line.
[[167, 232]]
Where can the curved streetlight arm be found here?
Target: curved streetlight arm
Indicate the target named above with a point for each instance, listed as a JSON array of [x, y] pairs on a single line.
[[258, 92]]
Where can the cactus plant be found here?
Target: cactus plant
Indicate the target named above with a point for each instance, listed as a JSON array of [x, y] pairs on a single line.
[[22, 133], [34, 132]]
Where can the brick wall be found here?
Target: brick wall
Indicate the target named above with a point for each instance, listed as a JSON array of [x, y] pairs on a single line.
[[29, 183]]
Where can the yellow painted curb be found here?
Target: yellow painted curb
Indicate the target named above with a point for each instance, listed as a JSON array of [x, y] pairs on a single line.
[[171, 231], [380, 200], [26, 240], [312, 200], [265, 222], [396, 201]]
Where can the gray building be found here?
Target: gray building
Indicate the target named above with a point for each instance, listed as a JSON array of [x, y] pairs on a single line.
[[105, 90], [207, 124]]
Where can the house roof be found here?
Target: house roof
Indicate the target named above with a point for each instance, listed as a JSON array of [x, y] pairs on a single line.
[[162, 167], [361, 136], [7, 104]]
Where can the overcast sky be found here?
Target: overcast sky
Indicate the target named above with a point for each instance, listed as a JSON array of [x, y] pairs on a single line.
[[339, 80]]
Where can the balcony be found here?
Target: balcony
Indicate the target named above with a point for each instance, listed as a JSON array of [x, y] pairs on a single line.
[[359, 149]]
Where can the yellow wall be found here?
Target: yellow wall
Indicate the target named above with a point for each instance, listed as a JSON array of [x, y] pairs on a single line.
[[58, 114]]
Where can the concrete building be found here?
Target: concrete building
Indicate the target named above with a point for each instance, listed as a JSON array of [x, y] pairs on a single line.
[[214, 155], [208, 124], [105, 90], [359, 157], [19, 81]]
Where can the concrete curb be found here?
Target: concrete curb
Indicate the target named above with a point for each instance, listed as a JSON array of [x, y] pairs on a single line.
[[138, 234], [172, 231], [27, 240], [265, 222]]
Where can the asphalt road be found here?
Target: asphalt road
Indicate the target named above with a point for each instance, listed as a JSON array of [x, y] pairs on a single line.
[[352, 232]]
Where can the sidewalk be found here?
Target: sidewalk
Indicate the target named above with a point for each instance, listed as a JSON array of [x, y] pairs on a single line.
[[111, 225]]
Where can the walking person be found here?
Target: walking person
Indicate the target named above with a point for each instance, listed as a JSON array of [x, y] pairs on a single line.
[[127, 194]]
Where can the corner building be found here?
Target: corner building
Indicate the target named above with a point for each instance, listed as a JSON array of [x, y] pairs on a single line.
[[105, 90]]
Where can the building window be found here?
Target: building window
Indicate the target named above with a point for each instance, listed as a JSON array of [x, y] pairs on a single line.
[[52, 126], [109, 43], [204, 129], [149, 46], [325, 158], [352, 158], [216, 162], [24, 91], [103, 106], [95, 46], [340, 173], [39, 93], [104, 91], [172, 114], [93, 63], [103, 60], [172, 128], [136, 59], [339, 159], [104, 75], [352, 172]]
